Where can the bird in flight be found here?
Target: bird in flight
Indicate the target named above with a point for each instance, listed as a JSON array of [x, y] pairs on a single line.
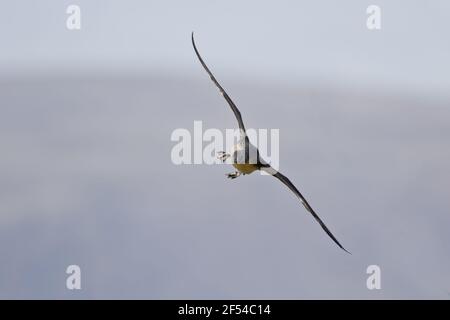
[[245, 156]]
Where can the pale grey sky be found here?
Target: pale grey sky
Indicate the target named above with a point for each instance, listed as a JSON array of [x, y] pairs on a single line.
[[324, 41], [86, 177]]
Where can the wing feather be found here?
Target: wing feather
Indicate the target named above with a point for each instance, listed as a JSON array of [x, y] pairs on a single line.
[[235, 110], [305, 203]]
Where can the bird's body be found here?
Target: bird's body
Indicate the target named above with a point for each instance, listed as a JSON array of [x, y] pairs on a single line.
[[245, 156], [245, 168]]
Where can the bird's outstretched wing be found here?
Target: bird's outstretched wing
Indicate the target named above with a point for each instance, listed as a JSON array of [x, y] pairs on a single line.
[[222, 91], [305, 203]]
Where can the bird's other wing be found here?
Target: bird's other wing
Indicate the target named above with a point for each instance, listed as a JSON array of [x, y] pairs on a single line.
[[222, 91], [305, 203]]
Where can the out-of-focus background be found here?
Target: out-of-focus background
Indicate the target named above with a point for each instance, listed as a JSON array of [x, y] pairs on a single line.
[[86, 176]]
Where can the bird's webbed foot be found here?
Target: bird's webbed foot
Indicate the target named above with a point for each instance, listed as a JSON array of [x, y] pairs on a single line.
[[223, 156], [233, 175]]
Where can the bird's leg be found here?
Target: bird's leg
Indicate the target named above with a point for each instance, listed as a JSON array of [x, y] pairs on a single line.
[[233, 175], [222, 156]]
